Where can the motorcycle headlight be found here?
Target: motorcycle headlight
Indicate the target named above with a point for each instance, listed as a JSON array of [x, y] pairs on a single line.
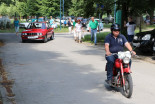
[[135, 37], [153, 39], [146, 37], [126, 60]]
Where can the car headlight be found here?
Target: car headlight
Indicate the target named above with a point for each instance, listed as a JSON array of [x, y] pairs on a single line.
[[24, 34], [135, 37], [146, 37], [39, 34], [126, 60]]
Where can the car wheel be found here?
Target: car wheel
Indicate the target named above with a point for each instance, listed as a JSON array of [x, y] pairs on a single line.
[[23, 41], [45, 39], [52, 37]]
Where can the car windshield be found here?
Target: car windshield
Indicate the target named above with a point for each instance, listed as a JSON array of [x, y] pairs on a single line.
[[37, 26]]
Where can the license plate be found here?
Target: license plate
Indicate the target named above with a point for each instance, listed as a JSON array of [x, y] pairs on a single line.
[[32, 37], [154, 48]]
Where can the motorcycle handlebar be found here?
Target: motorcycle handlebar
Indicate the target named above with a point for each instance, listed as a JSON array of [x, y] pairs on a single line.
[[117, 54]]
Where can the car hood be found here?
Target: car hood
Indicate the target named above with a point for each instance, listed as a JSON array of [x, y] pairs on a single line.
[[25, 23], [34, 31], [141, 34]]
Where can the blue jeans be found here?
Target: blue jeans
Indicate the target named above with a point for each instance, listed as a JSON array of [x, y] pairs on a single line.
[[94, 34], [110, 64], [130, 38]]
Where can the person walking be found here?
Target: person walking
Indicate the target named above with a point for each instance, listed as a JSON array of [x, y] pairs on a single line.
[[74, 23], [131, 26], [16, 25], [70, 25], [78, 29], [93, 24], [51, 21]]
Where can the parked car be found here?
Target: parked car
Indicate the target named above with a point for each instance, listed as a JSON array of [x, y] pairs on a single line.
[[108, 20], [5, 22], [99, 23], [38, 31], [24, 25], [145, 41], [84, 22], [154, 49], [147, 19]]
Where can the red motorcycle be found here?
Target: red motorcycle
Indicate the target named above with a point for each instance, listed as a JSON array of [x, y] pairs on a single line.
[[122, 73]]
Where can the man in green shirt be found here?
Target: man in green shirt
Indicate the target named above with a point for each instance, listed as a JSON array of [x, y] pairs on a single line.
[[93, 24]]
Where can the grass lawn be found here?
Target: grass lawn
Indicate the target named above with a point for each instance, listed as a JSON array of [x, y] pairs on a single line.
[[12, 30], [100, 37], [107, 25], [63, 30]]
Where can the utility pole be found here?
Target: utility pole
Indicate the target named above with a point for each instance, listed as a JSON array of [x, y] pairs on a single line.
[[115, 12], [60, 14], [63, 9]]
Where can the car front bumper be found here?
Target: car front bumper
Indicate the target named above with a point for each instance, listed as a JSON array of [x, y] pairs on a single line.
[[144, 45], [154, 48], [32, 37]]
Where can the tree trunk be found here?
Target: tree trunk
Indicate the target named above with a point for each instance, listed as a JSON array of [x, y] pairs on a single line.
[[151, 16], [140, 23], [124, 17]]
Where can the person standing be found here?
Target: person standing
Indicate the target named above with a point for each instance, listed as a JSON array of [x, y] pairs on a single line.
[[131, 26], [93, 24], [78, 29], [70, 26], [33, 19], [65, 22], [16, 25], [51, 21]]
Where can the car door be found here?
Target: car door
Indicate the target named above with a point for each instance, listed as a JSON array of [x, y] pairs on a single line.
[[49, 31]]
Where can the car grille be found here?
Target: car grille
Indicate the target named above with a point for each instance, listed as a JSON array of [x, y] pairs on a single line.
[[31, 34]]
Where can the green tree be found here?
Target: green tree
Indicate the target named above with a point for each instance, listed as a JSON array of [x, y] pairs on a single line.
[[21, 8], [3, 9], [77, 8], [11, 10], [48, 7]]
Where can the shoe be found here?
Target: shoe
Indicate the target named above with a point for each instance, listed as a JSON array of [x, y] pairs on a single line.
[[95, 44], [108, 82]]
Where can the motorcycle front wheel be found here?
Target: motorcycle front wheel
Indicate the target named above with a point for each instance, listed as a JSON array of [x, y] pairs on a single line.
[[128, 88]]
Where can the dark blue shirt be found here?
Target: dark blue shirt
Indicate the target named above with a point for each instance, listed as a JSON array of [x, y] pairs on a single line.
[[115, 44]]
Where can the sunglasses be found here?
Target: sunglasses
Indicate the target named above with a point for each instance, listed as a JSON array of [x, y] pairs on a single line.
[[116, 30]]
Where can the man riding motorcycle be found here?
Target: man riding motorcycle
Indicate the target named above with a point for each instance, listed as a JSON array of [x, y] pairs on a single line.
[[114, 43]]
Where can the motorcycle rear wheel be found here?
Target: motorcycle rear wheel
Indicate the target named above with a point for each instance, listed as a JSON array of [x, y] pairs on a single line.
[[128, 88]]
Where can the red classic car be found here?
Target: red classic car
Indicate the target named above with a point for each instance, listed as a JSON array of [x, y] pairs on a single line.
[[38, 31]]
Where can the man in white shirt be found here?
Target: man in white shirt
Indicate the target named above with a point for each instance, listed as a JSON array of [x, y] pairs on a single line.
[[131, 26]]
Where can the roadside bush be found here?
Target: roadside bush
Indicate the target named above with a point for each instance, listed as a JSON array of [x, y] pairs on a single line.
[[8, 25], [1, 25], [100, 37]]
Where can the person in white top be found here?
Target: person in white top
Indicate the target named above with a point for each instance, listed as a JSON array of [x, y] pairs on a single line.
[[131, 26], [78, 29]]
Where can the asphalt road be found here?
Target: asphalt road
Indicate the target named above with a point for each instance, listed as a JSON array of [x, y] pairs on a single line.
[[64, 72]]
